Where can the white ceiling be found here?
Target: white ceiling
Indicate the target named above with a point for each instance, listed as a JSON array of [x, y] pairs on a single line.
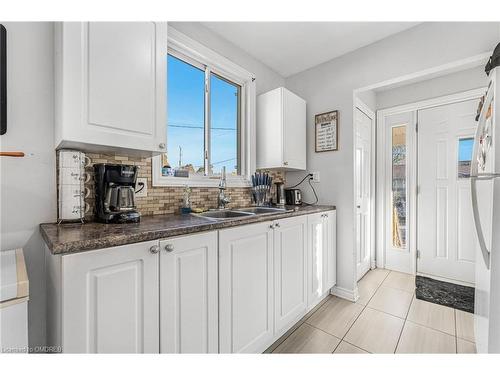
[[292, 47]]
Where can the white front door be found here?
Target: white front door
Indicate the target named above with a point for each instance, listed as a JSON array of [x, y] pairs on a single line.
[[446, 239], [363, 191]]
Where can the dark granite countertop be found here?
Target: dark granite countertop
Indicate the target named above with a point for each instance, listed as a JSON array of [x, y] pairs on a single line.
[[72, 238]]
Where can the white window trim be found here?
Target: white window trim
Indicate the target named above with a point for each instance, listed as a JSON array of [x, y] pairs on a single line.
[[190, 48]]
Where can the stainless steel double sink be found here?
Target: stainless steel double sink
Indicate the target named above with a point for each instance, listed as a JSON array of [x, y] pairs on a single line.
[[239, 213]]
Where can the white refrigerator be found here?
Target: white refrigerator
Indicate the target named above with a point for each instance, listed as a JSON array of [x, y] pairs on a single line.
[[485, 194]]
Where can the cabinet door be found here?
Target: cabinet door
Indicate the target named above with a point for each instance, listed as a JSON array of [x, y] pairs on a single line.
[[246, 288], [290, 259], [294, 131], [269, 129], [188, 294], [112, 84], [330, 221], [110, 300], [316, 256]]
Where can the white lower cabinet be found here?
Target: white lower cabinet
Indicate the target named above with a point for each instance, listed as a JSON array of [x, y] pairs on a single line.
[[321, 256], [290, 272], [246, 288], [235, 290], [188, 294], [110, 301], [330, 219]]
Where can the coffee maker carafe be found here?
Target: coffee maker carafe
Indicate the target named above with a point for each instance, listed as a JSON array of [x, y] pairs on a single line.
[[115, 193]]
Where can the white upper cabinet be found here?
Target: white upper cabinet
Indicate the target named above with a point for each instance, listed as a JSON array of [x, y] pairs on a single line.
[[281, 130], [111, 86], [189, 294]]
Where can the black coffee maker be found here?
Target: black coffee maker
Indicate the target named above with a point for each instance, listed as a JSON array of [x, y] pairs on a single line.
[[115, 193]]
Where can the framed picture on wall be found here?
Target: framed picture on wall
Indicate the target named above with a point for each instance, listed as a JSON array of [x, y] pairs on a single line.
[[326, 131]]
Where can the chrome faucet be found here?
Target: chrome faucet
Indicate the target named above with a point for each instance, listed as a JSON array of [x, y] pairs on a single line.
[[222, 200]]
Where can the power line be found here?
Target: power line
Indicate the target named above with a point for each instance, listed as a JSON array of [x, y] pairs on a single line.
[[223, 161], [194, 126]]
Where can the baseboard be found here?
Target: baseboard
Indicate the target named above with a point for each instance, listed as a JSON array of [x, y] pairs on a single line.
[[348, 294]]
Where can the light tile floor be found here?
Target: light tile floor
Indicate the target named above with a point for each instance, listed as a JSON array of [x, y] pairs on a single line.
[[386, 319]]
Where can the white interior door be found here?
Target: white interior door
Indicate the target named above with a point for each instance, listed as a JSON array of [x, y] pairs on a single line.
[[363, 164], [446, 239]]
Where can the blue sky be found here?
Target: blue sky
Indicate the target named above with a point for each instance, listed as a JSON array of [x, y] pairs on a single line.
[[185, 100], [465, 149]]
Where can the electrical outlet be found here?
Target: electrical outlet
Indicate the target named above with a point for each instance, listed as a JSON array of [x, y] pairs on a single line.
[[315, 177], [142, 185]]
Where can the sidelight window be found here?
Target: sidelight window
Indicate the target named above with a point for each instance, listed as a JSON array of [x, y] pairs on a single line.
[[399, 172]]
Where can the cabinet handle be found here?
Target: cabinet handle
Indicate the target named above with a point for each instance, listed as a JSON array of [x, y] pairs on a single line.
[[169, 247], [161, 146], [154, 249], [271, 226], [277, 225], [285, 163]]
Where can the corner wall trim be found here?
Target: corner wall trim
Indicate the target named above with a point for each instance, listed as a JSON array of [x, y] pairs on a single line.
[[350, 295]]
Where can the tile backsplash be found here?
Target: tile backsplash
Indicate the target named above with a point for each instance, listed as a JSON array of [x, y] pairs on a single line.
[[164, 199]]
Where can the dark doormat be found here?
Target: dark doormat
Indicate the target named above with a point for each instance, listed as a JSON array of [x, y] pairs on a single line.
[[447, 294]]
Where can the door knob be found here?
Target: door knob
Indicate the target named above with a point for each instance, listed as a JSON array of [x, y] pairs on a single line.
[[154, 249], [169, 247]]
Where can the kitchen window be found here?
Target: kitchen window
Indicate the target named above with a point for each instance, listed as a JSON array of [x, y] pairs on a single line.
[[210, 116]]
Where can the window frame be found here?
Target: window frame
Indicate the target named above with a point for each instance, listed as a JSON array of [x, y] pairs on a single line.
[[196, 54]]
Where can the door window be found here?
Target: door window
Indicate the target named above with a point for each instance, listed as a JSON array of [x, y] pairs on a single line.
[[399, 187], [464, 156]]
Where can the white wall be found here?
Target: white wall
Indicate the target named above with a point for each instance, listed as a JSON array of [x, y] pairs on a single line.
[[368, 97], [267, 79], [432, 88], [28, 192], [330, 86]]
